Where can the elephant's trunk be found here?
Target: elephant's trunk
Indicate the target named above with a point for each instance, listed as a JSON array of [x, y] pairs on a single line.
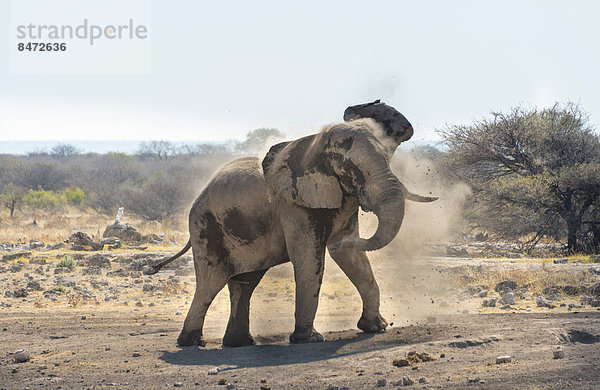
[[386, 196]]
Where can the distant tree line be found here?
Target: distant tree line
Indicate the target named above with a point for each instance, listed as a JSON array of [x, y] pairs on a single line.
[[159, 181]]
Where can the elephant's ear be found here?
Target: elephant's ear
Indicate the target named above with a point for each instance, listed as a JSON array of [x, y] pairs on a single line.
[[298, 172]]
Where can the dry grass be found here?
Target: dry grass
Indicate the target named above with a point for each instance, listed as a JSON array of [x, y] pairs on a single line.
[[56, 226], [75, 299], [535, 276], [171, 288]]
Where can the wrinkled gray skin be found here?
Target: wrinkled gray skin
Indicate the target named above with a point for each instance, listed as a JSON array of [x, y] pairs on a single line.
[[301, 199]]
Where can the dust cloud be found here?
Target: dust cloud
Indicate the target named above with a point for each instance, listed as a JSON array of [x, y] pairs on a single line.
[[412, 287]]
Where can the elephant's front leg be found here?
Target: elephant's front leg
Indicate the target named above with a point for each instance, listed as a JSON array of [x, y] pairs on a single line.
[[306, 235], [357, 267], [240, 292]]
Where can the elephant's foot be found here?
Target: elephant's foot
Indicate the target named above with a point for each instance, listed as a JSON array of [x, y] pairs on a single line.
[[372, 325], [238, 339], [187, 339], [303, 335]]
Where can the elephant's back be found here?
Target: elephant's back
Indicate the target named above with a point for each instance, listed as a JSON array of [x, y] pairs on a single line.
[[238, 184], [237, 219]]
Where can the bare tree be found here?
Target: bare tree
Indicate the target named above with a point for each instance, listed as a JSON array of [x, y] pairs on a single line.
[[65, 150], [532, 171], [160, 150]]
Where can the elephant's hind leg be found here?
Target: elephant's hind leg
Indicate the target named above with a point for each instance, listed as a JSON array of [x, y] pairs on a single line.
[[240, 290], [209, 281]]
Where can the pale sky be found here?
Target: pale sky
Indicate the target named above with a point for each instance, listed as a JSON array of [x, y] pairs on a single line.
[[220, 69]]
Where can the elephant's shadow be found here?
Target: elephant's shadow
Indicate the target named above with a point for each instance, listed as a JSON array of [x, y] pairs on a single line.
[[267, 353]]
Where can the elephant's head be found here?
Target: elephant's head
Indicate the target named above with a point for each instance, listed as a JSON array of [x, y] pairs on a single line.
[[396, 126], [346, 160]]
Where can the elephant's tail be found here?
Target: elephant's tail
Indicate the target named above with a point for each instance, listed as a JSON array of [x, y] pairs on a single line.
[[417, 198], [152, 269]]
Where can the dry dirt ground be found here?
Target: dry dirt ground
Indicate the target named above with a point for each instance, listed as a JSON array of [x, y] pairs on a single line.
[[105, 328]]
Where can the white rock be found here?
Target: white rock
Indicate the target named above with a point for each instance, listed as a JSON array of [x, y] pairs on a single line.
[[21, 356], [503, 359], [559, 353]]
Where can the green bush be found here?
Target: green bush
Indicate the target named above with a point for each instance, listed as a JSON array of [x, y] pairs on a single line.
[[74, 196], [67, 262], [42, 199]]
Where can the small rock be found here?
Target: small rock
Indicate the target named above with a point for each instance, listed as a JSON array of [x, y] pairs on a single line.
[[36, 244], [59, 245], [505, 286], [490, 302], [98, 260], [423, 380], [149, 287], [38, 261], [222, 381], [561, 260], [13, 256], [177, 384], [569, 289], [503, 359], [136, 354], [34, 285], [406, 381], [473, 380], [231, 386], [21, 356], [401, 362], [541, 302], [20, 293], [93, 270], [382, 382], [107, 348], [214, 371], [508, 298], [558, 353], [457, 252]]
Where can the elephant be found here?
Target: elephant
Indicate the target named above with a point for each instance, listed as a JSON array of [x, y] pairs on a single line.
[[300, 200]]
